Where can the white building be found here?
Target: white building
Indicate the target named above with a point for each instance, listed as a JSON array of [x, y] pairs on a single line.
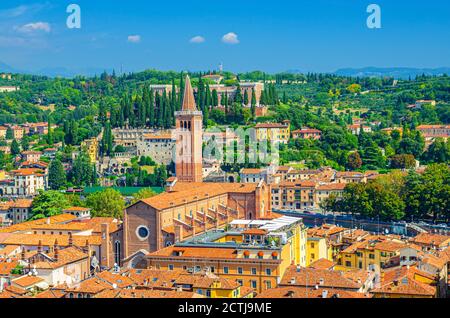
[[24, 183], [158, 147]]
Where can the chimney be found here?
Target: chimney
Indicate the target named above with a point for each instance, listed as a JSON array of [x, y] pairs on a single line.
[[39, 249], [290, 294], [22, 254], [321, 282], [56, 253], [293, 281], [324, 293], [70, 239], [179, 288]]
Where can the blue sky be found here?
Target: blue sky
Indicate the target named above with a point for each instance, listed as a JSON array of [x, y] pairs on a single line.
[[309, 35]]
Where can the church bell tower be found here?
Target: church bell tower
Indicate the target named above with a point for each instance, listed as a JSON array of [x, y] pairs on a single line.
[[189, 128]]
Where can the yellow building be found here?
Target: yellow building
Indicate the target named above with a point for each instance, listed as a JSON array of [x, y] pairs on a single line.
[[91, 146], [316, 248], [212, 286], [373, 251], [405, 282], [253, 253], [273, 131]]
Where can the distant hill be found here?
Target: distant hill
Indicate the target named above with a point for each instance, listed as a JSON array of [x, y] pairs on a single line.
[[5, 68], [396, 72], [56, 71]]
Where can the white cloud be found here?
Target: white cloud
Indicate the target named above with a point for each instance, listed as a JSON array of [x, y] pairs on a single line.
[[14, 12], [34, 27], [134, 38], [230, 38], [197, 39]]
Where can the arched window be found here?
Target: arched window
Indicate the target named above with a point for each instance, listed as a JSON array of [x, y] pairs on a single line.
[[117, 254]]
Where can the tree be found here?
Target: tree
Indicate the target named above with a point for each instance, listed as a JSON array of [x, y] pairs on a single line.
[[25, 143], [253, 104], [403, 161], [432, 192], [438, 152], [9, 134], [215, 98], [354, 161], [48, 203], [246, 98], [372, 157], [49, 133], [106, 147], [56, 175], [106, 203], [82, 170], [15, 148]]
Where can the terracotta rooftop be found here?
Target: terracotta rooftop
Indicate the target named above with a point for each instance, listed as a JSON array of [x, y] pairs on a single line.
[[430, 239], [145, 293], [29, 224], [331, 186], [190, 192], [7, 267], [322, 263], [270, 125], [27, 281], [49, 240], [65, 256], [91, 285], [302, 292], [403, 281], [320, 277], [122, 281]]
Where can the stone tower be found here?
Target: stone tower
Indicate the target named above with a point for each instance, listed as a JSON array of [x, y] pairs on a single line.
[[189, 130]]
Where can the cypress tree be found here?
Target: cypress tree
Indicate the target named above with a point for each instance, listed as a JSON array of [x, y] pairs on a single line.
[[56, 175], [215, 98], [151, 109], [49, 133], [253, 104], [246, 98], [15, 148]]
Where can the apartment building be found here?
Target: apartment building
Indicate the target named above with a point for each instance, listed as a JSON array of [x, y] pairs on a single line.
[[372, 252], [307, 133], [253, 253], [24, 182], [31, 156], [294, 195], [274, 132], [356, 129], [91, 146]]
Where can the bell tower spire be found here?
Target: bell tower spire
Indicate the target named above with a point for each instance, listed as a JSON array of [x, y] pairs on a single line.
[[188, 96]]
